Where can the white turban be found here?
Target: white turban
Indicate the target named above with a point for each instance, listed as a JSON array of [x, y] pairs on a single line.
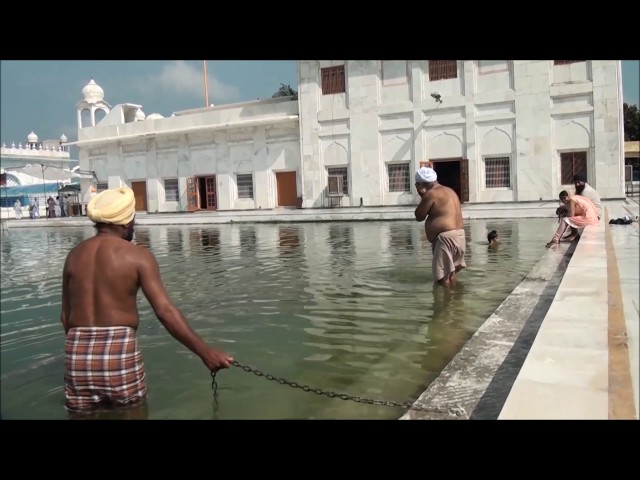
[[116, 206], [426, 174]]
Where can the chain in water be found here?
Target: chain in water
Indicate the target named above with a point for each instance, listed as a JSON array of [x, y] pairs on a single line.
[[450, 410], [214, 386]]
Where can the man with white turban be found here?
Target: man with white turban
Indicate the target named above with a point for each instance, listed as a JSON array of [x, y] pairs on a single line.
[[101, 279], [440, 206]]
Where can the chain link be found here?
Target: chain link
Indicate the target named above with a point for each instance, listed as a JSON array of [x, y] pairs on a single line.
[[454, 410]]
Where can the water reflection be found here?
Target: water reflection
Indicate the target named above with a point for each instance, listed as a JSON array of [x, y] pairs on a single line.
[[174, 240], [142, 237], [248, 240], [401, 236], [210, 241], [288, 239], [343, 251], [345, 307]]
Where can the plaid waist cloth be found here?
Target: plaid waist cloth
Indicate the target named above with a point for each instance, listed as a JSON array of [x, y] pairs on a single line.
[[103, 367]]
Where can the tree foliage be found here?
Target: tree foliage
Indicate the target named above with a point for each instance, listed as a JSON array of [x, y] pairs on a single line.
[[285, 91], [631, 123]]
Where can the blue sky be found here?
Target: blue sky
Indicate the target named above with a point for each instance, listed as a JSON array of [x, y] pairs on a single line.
[[41, 95]]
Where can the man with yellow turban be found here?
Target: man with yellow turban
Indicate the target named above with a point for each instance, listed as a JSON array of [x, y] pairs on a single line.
[[101, 279]]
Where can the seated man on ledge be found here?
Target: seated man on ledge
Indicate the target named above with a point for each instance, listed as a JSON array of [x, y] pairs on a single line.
[[577, 212], [100, 283]]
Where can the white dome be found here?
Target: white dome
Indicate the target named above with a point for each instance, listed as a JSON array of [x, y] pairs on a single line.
[[32, 138], [140, 115], [63, 138], [93, 92], [154, 116]]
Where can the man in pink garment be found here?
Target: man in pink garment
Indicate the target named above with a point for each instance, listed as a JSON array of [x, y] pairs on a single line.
[[578, 212]]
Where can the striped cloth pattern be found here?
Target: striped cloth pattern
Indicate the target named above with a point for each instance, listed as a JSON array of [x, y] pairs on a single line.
[[103, 367]]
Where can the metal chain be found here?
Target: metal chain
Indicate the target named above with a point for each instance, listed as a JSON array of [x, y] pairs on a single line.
[[448, 410], [214, 386]]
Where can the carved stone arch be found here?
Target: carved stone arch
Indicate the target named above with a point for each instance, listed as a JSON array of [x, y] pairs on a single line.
[[446, 145], [336, 154], [584, 133], [496, 141]]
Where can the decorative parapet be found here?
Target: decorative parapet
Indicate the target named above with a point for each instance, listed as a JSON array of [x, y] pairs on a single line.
[[34, 151]]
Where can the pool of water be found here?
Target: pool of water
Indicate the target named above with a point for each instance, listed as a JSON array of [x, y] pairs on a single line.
[[347, 307]]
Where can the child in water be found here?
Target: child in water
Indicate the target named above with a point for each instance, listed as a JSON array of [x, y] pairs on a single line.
[[493, 238]]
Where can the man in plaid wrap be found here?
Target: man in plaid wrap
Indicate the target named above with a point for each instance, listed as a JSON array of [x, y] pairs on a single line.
[[101, 279]]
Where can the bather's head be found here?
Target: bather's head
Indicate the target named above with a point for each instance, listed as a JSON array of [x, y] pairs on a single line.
[[564, 197], [114, 211]]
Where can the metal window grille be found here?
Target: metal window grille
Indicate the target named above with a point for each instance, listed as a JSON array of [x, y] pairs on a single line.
[[345, 179], [332, 80], [442, 69], [399, 179], [171, 190], [245, 185], [572, 163], [102, 186], [497, 172]]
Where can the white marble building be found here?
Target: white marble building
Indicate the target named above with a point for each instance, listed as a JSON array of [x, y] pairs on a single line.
[[36, 162], [495, 131], [239, 156]]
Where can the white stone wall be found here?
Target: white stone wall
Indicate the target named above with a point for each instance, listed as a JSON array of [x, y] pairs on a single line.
[[524, 114], [528, 112], [210, 145]]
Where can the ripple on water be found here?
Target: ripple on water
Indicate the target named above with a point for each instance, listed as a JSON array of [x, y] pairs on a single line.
[[347, 307]]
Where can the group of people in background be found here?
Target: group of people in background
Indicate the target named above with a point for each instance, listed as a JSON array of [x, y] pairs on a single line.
[[576, 212], [55, 207]]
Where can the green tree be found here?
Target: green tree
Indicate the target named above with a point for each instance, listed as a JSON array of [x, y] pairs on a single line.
[[285, 91], [631, 122]]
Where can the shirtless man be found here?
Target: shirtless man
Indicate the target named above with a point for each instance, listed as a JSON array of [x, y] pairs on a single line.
[[440, 206], [101, 279]]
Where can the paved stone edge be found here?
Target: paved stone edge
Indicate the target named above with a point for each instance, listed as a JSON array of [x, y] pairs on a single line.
[[479, 378]]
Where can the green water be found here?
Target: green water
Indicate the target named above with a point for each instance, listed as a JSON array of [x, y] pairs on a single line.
[[347, 307]]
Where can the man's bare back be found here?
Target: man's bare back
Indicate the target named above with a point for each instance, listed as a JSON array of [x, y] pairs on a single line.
[[100, 283], [440, 206], [101, 279]]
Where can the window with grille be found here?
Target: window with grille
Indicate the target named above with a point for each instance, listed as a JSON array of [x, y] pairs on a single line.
[[497, 172], [345, 179], [442, 69], [245, 185], [332, 80], [102, 186], [171, 190], [566, 62], [572, 163], [399, 178]]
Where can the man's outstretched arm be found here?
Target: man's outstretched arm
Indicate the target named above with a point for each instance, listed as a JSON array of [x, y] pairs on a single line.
[[171, 317]]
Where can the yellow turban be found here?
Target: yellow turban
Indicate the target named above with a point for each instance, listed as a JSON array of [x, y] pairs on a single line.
[[116, 206]]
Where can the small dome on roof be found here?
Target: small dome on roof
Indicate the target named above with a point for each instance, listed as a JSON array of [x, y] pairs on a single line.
[[32, 138], [93, 92], [63, 138], [154, 116]]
